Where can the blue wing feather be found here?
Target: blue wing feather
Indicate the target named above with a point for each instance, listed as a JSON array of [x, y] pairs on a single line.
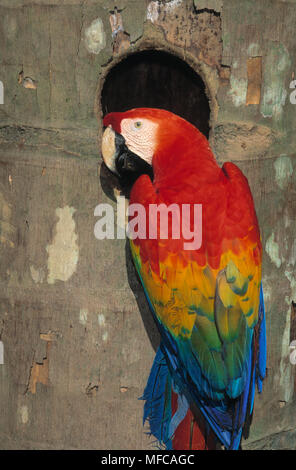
[[261, 369]]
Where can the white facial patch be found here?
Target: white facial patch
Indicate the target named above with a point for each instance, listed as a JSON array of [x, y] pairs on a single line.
[[140, 137]]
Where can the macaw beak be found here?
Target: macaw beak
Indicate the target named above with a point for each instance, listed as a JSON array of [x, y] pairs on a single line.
[[120, 160]]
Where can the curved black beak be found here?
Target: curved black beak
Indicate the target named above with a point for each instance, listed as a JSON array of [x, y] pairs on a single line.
[[127, 163], [120, 160]]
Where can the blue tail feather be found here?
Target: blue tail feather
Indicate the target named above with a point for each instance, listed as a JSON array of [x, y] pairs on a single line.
[[157, 408]]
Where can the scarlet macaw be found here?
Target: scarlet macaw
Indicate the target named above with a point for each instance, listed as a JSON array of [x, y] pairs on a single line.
[[207, 302]]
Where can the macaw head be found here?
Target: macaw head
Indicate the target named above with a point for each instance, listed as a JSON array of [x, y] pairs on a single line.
[[147, 141]]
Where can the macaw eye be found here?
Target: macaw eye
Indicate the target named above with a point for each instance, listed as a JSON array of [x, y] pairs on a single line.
[[138, 124]]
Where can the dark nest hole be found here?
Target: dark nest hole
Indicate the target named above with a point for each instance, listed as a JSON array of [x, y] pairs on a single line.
[[157, 79]]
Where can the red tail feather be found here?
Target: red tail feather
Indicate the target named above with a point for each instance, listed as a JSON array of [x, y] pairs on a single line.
[[192, 434]]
